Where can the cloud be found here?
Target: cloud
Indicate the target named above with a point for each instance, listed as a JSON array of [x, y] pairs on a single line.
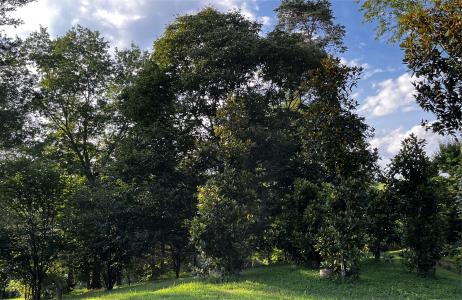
[[368, 70], [392, 95], [121, 21], [33, 15], [390, 143]]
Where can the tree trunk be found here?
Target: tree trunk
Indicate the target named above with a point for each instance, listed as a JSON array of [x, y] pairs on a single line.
[[37, 280], [162, 258], [342, 267], [376, 250], [377, 254], [118, 276], [176, 259], [59, 289], [154, 269], [96, 277], [36, 291], [86, 276], [70, 280], [109, 276]]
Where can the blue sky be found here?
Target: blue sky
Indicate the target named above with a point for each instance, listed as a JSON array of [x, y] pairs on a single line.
[[385, 92]]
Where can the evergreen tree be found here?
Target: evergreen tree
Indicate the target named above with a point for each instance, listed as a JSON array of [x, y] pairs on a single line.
[[411, 178]]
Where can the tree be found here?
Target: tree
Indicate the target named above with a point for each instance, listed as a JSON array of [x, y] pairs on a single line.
[[32, 194], [15, 81], [448, 161], [334, 138], [227, 224], [382, 215], [225, 228], [152, 159], [336, 151], [429, 31], [79, 85], [209, 56], [341, 238], [313, 20], [411, 179], [299, 222], [16, 93], [75, 73], [101, 222]]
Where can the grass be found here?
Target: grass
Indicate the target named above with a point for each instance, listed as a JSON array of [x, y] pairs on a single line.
[[377, 281]]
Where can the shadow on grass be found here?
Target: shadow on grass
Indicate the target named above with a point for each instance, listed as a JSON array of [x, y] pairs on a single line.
[[138, 289]]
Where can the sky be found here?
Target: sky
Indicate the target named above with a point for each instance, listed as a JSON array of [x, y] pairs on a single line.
[[385, 91]]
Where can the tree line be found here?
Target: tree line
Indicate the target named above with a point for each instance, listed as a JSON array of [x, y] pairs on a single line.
[[220, 147]]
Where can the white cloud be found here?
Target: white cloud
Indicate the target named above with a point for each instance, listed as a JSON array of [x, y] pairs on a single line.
[[33, 15], [122, 21], [392, 95], [368, 70], [390, 143], [355, 62]]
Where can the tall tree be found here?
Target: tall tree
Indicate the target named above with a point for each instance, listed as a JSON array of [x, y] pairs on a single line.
[[79, 85], [335, 148], [152, 159], [411, 177]]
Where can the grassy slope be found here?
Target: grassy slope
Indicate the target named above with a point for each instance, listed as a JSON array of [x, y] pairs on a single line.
[[378, 281]]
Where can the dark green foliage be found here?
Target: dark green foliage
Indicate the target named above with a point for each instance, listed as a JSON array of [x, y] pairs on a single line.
[[209, 55], [16, 92], [152, 160], [32, 196], [102, 224], [225, 228], [449, 158], [448, 161], [16, 82], [335, 146], [411, 178], [382, 216], [79, 86], [288, 61], [341, 239], [221, 147], [300, 221], [334, 138]]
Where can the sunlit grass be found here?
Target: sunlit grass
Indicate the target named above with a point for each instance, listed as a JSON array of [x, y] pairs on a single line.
[[378, 281]]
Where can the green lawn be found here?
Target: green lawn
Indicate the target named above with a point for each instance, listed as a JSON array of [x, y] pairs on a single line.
[[378, 281]]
